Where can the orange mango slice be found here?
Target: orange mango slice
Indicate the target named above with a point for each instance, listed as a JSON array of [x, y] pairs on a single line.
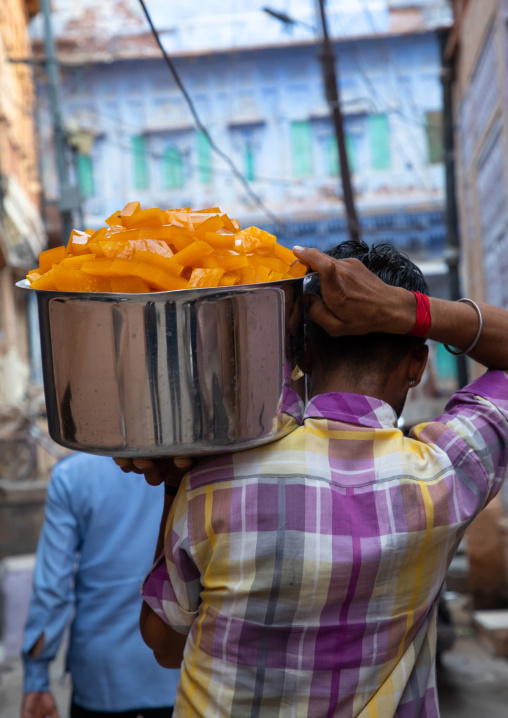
[[68, 279], [253, 238], [297, 270], [46, 281], [129, 285], [78, 242], [114, 219], [50, 257], [144, 218], [220, 241], [205, 277], [77, 261], [191, 253], [212, 224], [157, 260], [284, 254], [130, 209]]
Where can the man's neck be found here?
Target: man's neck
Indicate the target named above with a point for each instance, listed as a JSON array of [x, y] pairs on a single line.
[[367, 385], [387, 389]]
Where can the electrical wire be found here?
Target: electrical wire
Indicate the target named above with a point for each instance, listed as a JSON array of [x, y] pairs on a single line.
[[203, 128]]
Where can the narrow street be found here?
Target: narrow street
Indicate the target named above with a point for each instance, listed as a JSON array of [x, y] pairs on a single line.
[[472, 684]]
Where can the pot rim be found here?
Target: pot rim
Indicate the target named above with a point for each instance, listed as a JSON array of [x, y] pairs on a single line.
[[204, 291]]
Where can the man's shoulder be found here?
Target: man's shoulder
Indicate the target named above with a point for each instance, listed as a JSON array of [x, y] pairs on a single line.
[[278, 456]]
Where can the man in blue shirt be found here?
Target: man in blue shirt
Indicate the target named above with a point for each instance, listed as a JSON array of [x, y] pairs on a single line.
[[96, 545]]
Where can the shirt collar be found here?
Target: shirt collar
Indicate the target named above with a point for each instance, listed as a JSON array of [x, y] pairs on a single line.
[[352, 409]]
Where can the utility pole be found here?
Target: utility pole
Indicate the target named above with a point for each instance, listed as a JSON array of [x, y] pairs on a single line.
[[452, 223], [69, 195], [327, 58]]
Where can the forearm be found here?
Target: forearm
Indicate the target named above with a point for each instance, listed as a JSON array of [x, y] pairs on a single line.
[[168, 502], [167, 645], [355, 301], [455, 324]]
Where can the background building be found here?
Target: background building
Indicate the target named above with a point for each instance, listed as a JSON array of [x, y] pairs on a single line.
[[21, 232], [479, 45]]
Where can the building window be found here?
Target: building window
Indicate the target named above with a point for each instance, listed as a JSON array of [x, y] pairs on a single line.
[[85, 175], [173, 168], [139, 162], [379, 139], [246, 142], [434, 125], [333, 155], [250, 168], [204, 159], [301, 149]]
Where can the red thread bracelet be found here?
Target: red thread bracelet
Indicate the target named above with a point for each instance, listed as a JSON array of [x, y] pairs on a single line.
[[422, 323]]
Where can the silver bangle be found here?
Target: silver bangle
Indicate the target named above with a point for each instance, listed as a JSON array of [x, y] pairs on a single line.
[[477, 337]]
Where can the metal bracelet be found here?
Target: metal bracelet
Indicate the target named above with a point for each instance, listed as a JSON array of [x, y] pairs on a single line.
[[477, 337]]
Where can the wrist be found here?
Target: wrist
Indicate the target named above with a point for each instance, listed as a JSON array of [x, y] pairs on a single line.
[[35, 675], [399, 311]]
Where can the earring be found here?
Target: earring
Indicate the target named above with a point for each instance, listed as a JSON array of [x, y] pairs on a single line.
[[412, 382]]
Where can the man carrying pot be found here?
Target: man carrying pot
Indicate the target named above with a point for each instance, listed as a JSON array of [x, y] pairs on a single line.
[[302, 578]]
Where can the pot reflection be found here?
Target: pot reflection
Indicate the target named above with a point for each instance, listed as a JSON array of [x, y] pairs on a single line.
[[171, 373]]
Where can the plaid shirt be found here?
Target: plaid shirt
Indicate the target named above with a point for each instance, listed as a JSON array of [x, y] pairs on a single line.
[[307, 572]]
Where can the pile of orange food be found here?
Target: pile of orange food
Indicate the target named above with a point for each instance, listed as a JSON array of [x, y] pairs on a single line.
[[146, 250]]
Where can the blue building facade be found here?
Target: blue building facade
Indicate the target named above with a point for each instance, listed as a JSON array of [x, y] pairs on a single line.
[[265, 108]]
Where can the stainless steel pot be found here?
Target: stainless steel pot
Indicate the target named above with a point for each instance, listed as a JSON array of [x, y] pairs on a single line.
[[170, 373]]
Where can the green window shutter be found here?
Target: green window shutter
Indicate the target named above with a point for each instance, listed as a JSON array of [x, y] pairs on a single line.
[[173, 169], [85, 176], [250, 172], [139, 162], [333, 156], [301, 149], [379, 135], [435, 137], [204, 159]]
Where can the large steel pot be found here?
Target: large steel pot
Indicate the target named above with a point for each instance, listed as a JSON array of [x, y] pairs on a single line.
[[170, 373]]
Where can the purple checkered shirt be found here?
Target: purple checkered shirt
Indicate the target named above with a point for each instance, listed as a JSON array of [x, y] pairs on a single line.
[[307, 572]]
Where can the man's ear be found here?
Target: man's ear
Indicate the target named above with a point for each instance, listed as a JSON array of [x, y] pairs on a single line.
[[417, 363]]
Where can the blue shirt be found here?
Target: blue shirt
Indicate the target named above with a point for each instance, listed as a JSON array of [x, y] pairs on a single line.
[[97, 543]]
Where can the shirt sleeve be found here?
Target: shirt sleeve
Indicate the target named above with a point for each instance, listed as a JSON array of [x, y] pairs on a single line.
[[473, 432], [172, 587], [53, 596]]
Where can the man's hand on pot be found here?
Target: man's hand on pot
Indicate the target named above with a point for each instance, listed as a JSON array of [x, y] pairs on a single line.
[[170, 471], [354, 300]]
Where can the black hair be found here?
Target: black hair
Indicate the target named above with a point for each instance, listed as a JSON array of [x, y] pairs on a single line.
[[361, 354]]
